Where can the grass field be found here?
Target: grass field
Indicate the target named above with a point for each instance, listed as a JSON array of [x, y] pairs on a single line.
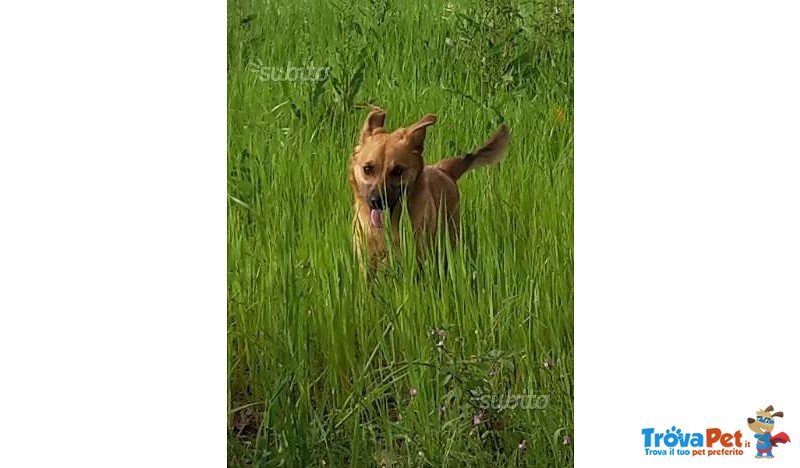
[[416, 367]]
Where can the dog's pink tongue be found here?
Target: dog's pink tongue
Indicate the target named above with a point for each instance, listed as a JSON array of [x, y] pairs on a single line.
[[375, 218]]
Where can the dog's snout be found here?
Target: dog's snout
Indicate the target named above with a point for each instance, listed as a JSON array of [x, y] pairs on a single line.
[[376, 202]]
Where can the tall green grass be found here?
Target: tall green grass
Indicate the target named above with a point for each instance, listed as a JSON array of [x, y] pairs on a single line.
[[328, 369]]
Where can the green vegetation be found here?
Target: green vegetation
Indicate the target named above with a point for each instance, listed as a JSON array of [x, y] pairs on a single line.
[[412, 367]]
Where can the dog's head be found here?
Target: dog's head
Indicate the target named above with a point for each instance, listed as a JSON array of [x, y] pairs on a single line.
[[384, 165], [764, 421]]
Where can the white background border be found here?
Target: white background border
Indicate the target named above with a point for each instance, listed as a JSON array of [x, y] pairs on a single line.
[[112, 226], [687, 203]]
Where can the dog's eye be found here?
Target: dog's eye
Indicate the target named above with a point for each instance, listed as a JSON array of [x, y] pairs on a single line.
[[369, 169], [396, 172]]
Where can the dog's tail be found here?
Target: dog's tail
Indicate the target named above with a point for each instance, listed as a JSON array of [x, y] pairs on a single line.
[[490, 153]]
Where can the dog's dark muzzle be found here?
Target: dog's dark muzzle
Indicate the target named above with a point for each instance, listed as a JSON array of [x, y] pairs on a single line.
[[383, 199], [376, 202]]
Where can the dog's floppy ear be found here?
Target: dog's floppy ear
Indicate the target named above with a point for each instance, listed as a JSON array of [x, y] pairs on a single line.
[[779, 414], [769, 408], [416, 133], [374, 121]]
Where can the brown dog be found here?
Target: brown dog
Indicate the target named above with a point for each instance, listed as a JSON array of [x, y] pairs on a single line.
[[385, 166]]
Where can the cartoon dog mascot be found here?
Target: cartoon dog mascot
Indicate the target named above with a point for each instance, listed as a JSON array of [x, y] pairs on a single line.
[[762, 426]]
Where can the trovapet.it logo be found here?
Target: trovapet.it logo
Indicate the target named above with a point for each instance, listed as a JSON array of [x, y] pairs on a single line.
[[711, 442], [762, 426], [714, 442]]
